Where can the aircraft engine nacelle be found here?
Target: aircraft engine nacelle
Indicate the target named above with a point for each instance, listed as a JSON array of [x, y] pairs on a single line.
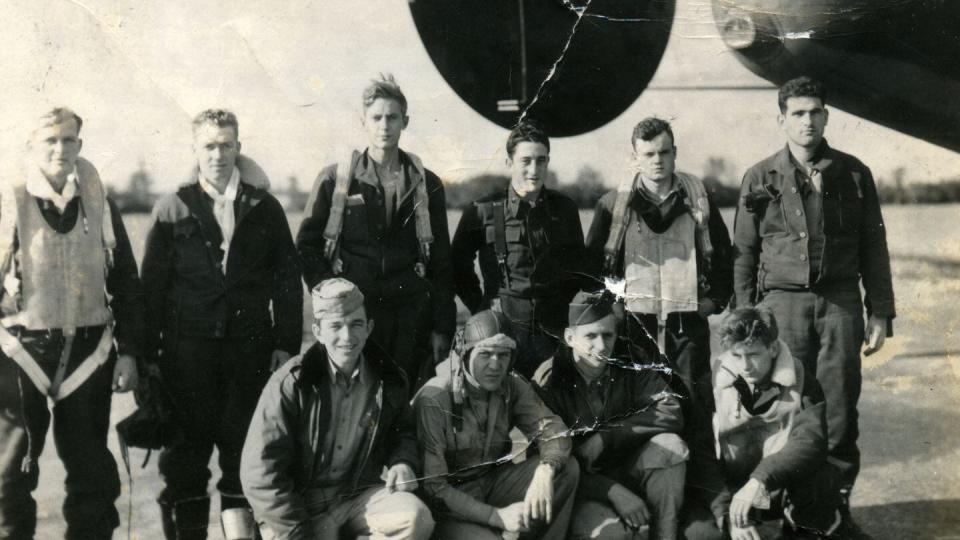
[[504, 56]]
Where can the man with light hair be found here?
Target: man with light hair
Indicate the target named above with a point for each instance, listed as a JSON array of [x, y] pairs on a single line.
[[58, 329], [328, 423], [625, 424], [225, 309], [378, 218]]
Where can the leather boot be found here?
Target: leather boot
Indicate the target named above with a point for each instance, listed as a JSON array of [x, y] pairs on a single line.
[[185, 519]]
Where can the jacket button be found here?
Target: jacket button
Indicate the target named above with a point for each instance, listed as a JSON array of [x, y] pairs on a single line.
[[803, 234], [803, 257], [793, 189], [209, 243], [799, 213]]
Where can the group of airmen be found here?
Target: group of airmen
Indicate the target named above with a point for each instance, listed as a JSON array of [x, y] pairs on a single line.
[[579, 400]]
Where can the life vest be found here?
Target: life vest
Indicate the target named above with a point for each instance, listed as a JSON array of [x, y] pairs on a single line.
[[742, 439], [344, 174], [61, 285]]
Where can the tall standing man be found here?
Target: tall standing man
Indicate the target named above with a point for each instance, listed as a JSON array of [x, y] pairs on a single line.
[[808, 233], [225, 309], [530, 243], [378, 218], [58, 329], [662, 234]]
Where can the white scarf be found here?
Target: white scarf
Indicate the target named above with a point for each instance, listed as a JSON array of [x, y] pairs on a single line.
[[223, 209], [39, 187]]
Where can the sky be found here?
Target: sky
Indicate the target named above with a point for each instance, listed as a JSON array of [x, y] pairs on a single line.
[[293, 71]]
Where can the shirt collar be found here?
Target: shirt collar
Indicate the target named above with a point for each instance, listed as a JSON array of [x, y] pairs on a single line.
[[785, 163], [598, 380], [513, 200], [675, 188], [39, 187], [359, 373], [230, 194]]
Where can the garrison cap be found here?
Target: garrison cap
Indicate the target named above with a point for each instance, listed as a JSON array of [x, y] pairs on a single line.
[[335, 296]]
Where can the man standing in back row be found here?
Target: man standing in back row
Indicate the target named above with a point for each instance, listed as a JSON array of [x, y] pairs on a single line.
[[63, 248], [808, 233], [378, 218], [225, 309], [530, 243]]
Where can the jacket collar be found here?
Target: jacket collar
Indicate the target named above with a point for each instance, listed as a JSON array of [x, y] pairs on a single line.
[[784, 369], [785, 164]]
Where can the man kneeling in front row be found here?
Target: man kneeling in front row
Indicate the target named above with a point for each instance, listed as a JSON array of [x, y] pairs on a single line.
[[770, 432], [626, 425], [464, 418], [327, 424]]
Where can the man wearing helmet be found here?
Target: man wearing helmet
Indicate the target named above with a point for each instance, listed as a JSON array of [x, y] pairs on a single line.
[[464, 418]]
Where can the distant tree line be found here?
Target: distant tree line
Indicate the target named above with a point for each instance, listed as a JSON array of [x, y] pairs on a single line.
[[587, 187]]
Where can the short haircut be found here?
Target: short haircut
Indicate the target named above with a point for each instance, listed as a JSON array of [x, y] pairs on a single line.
[[801, 87], [384, 87], [650, 127], [57, 115], [216, 117], [526, 131], [747, 326]]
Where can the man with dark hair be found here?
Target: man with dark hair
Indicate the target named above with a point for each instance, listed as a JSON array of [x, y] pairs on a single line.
[[63, 250], [808, 234], [530, 243], [464, 418], [625, 424], [379, 219], [327, 425], [661, 234], [225, 309], [770, 435]]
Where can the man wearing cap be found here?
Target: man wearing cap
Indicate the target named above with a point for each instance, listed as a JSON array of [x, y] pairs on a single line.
[[328, 423], [58, 329], [379, 218], [529, 242], [225, 308], [464, 418], [625, 424]]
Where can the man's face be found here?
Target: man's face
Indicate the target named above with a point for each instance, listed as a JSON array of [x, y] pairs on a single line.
[[384, 121], [489, 365], [656, 158], [216, 149], [804, 121], [55, 148], [343, 336], [753, 362], [592, 343], [528, 167]]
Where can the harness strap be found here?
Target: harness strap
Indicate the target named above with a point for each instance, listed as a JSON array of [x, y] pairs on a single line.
[[494, 213], [331, 232], [618, 225], [421, 209], [12, 347]]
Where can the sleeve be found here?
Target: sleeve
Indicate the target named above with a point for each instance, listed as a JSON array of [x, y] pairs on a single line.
[[467, 242], [403, 440], [720, 276], [310, 241], [441, 268], [874, 255], [123, 284], [595, 486], [806, 448], [597, 237], [537, 422], [156, 275], [267, 463], [431, 419], [661, 414], [287, 293], [705, 479], [746, 247]]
